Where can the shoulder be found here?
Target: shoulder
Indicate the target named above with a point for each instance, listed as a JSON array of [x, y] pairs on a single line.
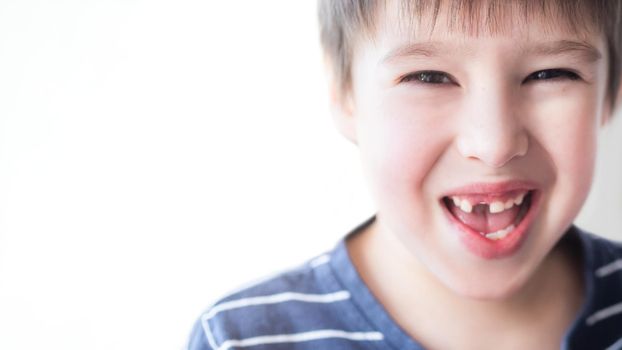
[[290, 302], [605, 254], [598, 326]]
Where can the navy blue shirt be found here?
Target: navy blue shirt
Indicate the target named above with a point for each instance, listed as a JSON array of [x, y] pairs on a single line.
[[324, 304]]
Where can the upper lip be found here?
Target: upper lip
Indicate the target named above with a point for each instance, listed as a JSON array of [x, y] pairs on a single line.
[[491, 188]]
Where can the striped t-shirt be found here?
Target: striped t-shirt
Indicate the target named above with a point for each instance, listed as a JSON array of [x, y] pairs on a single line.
[[324, 304]]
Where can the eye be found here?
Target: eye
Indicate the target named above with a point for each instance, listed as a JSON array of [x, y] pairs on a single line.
[[553, 75], [427, 77]]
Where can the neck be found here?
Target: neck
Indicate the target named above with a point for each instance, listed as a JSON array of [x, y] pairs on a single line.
[[422, 305]]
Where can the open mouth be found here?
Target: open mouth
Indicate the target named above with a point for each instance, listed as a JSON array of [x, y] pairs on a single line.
[[493, 216]]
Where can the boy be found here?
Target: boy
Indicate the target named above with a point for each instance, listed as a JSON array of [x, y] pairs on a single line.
[[477, 124]]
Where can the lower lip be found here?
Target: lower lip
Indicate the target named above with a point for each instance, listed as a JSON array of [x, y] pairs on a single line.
[[502, 248]]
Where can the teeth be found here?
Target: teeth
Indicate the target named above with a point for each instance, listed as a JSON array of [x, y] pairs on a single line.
[[518, 200], [466, 207], [509, 204], [496, 207], [493, 208], [456, 201], [500, 234]]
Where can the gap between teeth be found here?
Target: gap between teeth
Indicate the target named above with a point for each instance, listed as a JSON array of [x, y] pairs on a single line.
[[493, 208], [499, 234]]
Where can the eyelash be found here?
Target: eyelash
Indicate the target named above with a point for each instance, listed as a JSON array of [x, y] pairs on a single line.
[[427, 77], [420, 77], [556, 74]]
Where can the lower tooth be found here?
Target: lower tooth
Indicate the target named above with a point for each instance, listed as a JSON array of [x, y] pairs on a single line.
[[500, 234]]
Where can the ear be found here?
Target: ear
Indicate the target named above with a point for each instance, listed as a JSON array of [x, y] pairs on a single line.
[[343, 111]]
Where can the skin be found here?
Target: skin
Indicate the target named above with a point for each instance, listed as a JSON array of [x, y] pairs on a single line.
[[489, 119]]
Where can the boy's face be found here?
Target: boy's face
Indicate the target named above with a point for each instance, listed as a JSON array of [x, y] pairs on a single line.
[[449, 118]]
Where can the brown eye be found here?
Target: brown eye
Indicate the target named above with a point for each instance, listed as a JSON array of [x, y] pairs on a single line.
[[428, 77], [552, 74]]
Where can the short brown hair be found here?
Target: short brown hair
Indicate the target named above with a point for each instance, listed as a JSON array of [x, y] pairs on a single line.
[[342, 22]]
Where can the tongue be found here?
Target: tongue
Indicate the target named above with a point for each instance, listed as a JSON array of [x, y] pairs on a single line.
[[481, 220]]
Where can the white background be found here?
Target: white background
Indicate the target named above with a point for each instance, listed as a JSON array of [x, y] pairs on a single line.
[[156, 154]]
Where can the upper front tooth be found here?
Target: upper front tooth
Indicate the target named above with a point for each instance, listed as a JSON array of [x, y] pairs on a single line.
[[518, 200], [456, 201], [509, 204], [465, 206], [496, 207]]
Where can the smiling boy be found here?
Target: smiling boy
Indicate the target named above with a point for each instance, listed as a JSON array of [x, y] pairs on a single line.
[[477, 124]]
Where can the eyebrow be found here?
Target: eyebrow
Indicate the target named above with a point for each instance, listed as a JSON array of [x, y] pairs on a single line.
[[583, 50], [422, 49]]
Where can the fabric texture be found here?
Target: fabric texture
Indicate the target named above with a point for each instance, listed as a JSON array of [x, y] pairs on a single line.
[[324, 304]]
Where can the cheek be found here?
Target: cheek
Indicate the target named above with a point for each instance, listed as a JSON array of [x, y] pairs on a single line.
[[400, 140], [568, 133]]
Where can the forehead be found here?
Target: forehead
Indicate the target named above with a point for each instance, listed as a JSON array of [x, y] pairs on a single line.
[[401, 31]]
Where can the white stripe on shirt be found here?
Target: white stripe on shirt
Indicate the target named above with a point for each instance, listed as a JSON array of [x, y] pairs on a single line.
[[278, 298], [208, 332], [615, 346], [300, 337], [320, 260], [609, 268], [604, 313]]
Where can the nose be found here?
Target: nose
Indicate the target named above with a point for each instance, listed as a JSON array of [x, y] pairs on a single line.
[[490, 131]]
